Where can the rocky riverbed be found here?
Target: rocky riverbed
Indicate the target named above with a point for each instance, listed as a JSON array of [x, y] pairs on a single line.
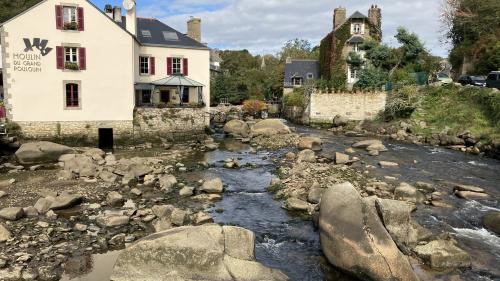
[[73, 217]]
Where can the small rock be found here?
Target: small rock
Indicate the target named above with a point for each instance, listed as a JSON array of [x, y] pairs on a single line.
[[80, 227], [12, 213], [117, 240], [115, 199], [167, 182], [306, 155], [108, 176], [162, 211], [186, 191], [315, 195], [5, 234], [3, 194], [65, 175], [43, 205], [65, 201], [387, 164], [290, 156], [213, 186], [112, 220], [51, 215], [30, 212], [425, 187], [491, 221], [469, 195], [136, 191], [341, 158], [408, 193], [178, 217], [312, 143], [202, 218], [43, 224], [462, 187], [295, 204]]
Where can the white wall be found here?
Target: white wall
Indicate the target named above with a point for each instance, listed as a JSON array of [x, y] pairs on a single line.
[[107, 84]]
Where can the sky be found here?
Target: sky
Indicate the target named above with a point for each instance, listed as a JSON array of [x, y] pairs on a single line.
[[263, 26]]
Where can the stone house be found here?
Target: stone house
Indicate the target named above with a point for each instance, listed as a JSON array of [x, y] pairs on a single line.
[[346, 36], [71, 68], [298, 72]]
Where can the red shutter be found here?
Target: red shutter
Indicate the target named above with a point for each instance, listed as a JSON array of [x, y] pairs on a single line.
[[60, 57], [169, 66], [82, 58], [81, 22], [185, 69], [59, 17], [152, 68]]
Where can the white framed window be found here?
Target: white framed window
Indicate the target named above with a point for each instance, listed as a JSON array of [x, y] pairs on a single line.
[[176, 66], [357, 28], [144, 65], [71, 55], [355, 47], [146, 33], [354, 73], [70, 18]]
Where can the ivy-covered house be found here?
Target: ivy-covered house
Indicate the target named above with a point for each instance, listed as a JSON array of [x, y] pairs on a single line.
[[346, 38]]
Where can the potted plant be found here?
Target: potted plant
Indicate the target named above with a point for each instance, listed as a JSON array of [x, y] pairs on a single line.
[[71, 26], [71, 65]]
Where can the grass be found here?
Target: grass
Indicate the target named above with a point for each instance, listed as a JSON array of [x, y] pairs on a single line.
[[457, 109]]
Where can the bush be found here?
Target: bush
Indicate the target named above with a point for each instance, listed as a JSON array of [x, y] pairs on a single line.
[[371, 79], [296, 98], [254, 107], [403, 103]]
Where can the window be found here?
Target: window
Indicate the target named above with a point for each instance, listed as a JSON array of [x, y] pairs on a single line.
[[71, 58], [176, 66], [146, 96], [354, 73], [146, 33], [296, 81], [355, 47], [144, 65], [310, 76], [70, 18], [170, 36], [357, 28], [72, 95]]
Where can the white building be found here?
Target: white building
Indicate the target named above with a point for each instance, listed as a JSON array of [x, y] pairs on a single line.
[[71, 68]]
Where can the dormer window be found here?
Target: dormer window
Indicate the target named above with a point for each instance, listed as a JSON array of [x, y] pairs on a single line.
[[146, 33], [170, 36], [357, 28], [297, 81]]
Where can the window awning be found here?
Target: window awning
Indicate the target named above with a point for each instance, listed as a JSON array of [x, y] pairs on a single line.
[[177, 80]]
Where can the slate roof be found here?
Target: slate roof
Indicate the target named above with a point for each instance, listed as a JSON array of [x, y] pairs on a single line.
[[157, 29], [358, 15], [300, 68], [356, 39]]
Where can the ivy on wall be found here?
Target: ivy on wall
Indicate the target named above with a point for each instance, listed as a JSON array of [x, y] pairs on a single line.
[[332, 64]]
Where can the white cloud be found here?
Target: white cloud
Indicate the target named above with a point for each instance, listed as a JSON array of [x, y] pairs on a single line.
[[263, 26]]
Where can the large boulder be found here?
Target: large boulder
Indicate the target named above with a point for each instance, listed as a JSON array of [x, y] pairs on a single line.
[[207, 252], [237, 128], [312, 143], [269, 127], [366, 143], [213, 186], [5, 234], [492, 222], [340, 121], [354, 239], [41, 152]]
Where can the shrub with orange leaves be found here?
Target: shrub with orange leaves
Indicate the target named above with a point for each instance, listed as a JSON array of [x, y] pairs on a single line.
[[254, 107]]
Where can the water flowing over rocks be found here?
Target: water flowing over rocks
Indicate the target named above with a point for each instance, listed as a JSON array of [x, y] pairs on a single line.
[[208, 252], [354, 239]]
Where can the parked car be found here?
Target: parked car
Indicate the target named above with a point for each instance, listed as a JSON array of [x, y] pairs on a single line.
[[442, 78], [478, 81], [493, 80]]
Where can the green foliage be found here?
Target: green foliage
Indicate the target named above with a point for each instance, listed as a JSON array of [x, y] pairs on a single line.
[[11, 8], [410, 45], [380, 55], [371, 78], [298, 49], [354, 60], [402, 103], [403, 77], [296, 98], [490, 60]]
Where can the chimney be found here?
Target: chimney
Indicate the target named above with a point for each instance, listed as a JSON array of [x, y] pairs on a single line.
[[194, 28], [108, 10], [339, 17], [375, 16], [131, 20], [117, 14]]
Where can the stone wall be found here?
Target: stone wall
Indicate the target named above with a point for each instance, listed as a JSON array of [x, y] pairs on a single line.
[[77, 128], [355, 106], [171, 123]]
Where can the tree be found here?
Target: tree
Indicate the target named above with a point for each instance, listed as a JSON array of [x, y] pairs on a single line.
[[10, 8], [297, 49]]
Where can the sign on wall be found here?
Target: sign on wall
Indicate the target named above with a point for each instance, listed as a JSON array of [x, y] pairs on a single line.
[[30, 60]]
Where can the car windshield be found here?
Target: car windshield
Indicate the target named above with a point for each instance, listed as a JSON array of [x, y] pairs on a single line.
[[442, 75], [477, 78]]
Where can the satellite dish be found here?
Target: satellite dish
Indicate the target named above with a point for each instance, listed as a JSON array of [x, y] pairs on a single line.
[[128, 4]]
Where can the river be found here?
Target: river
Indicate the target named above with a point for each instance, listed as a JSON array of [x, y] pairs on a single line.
[[291, 244]]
